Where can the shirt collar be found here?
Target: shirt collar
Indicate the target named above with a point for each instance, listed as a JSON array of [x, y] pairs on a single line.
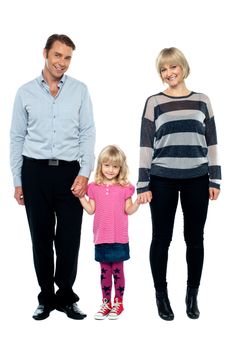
[[42, 81]]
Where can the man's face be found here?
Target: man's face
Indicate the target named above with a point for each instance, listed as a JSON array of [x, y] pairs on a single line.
[[57, 59]]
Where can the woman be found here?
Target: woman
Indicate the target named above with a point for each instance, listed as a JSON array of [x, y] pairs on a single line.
[[178, 157]]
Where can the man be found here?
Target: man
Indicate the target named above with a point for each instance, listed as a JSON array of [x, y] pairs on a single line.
[[52, 156]]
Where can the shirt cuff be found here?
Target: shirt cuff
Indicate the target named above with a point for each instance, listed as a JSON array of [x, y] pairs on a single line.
[[17, 181], [85, 171]]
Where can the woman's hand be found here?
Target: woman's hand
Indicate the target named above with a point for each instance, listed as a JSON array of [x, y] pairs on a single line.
[[144, 197], [213, 193]]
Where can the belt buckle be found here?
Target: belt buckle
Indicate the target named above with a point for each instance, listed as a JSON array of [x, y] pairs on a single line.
[[54, 162]]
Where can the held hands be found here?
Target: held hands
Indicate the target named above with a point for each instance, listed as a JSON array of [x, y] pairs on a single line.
[[79, 187], [19, 195], [144, 197]]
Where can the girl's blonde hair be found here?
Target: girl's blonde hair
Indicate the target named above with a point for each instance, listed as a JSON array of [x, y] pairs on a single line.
[[114, 155], [172, 55]]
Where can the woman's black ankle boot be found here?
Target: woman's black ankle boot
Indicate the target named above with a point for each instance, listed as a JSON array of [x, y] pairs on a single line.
[[164, 307], [191, 303]]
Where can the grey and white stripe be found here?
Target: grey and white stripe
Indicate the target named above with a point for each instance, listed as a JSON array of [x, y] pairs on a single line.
[[178, 139]]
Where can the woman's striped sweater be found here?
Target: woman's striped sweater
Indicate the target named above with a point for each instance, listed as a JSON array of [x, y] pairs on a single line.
[[178, 139]]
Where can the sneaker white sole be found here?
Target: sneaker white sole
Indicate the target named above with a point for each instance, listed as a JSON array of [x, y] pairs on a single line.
[[99, 317], [114, 317]]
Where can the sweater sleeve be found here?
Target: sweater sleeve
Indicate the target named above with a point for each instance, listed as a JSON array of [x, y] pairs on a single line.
[[146, 145], [211, 141]]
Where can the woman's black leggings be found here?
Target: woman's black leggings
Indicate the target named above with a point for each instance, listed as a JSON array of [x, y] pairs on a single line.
[[194, 198]]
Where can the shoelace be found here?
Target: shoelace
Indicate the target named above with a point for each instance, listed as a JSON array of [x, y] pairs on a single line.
[[104, 307], [115, 307]]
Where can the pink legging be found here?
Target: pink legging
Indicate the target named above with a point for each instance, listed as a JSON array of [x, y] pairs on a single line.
[[115, 269]]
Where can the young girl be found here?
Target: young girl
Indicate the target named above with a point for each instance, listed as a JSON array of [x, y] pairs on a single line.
[[110, 200]]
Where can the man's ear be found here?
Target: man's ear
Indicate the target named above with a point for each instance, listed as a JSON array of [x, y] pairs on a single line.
[[45, 53]]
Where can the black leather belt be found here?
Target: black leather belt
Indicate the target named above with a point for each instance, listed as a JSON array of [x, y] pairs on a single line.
[[50, 162]]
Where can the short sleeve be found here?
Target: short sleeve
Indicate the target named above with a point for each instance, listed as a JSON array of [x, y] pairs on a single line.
[[129, 191], [91, 190]]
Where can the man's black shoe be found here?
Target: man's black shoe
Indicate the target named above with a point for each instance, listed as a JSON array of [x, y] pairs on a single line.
[[42, 312], [72, 311]]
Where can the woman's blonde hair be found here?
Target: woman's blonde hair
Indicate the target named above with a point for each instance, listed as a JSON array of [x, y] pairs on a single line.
[[172, 55], [114, 155]]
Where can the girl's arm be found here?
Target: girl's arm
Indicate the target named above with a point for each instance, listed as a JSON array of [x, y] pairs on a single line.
[[130, 206], [88, 205]]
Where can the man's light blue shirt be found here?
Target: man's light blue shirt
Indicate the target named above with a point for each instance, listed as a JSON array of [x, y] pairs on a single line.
[[48, 127]]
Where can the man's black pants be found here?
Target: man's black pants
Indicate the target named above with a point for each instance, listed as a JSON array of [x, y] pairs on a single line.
[[55, 218]]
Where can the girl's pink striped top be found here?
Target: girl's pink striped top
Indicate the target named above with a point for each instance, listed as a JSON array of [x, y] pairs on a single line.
[[110, 221]]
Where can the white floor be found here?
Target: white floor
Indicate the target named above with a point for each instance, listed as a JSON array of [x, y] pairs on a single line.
[[139, 324]]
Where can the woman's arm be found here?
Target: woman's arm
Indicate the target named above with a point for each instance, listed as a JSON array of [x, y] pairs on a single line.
[[88, 205], [147, 141], [130, 206], [212, 155]]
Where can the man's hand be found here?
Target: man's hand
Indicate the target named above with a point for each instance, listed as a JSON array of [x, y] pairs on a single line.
[[79, 187], [19, 195]]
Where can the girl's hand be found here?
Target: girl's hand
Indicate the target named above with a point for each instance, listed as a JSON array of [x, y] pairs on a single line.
[[213, 193], [144, 197]]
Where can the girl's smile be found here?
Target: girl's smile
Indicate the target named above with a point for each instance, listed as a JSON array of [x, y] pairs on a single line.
[[110, 171]]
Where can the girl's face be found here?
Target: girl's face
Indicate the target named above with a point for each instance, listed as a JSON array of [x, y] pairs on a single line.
[[172, 74], [110, 171]]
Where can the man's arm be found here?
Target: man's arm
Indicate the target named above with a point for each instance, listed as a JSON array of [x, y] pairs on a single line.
[[17, 137], [86, 136]]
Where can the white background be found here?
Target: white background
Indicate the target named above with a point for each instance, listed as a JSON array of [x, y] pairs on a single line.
[[117, 42]]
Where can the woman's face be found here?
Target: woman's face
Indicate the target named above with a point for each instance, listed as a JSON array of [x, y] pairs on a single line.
[[172, 74]]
